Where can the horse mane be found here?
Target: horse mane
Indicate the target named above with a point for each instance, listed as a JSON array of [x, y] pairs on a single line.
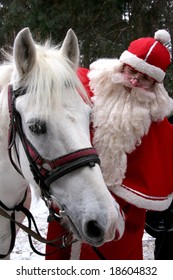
[[51, 81]]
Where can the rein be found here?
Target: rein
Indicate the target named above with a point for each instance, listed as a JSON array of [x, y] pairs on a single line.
[[64, 241], [58, 167]]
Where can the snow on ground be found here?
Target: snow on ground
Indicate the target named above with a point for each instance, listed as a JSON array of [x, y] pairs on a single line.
[[22, 250]]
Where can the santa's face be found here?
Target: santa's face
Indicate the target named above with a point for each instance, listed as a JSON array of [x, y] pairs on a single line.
[[137, 79]]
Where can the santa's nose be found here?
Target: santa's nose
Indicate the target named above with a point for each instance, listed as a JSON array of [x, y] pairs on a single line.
[[134, 82]]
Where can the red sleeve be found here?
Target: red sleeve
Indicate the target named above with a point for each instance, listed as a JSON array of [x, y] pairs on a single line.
[[83, 76]]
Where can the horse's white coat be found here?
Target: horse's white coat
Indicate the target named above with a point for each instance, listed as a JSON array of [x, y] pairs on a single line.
[[53, 97]]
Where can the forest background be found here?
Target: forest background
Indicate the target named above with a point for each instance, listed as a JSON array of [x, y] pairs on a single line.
[[104, 27]]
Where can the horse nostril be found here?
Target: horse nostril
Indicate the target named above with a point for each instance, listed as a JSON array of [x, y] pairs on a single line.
[[93, 229]]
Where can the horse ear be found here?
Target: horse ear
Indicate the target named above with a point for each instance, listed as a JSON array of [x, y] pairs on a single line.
[[24, 52], [70, 48]]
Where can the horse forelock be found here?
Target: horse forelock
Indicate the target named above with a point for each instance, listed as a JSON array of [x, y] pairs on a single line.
[[52, 81]]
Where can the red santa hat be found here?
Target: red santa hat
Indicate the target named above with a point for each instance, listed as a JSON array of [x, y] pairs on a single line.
[[150, 56]]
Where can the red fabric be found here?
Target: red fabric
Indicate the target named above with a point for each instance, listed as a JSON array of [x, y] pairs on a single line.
[[55, 230], [82, 74], [150, 166], [148, 172]]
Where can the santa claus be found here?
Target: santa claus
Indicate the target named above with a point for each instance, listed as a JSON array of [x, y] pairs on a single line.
[[134, 141]]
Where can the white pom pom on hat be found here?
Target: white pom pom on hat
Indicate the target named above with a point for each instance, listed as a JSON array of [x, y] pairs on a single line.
[[162, 36], [149, 55]]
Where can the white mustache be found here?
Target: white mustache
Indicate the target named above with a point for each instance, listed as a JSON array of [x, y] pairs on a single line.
[[118, 78]]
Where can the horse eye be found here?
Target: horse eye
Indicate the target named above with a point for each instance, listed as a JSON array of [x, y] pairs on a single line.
[[38, 127]]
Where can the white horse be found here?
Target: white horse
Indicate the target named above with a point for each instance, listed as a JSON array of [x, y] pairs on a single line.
[[44, 135]]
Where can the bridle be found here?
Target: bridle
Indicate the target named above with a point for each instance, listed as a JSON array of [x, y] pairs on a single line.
[[58, 167]]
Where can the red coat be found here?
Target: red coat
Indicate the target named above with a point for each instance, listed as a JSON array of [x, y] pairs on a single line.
[[148, 184], [148, 180]]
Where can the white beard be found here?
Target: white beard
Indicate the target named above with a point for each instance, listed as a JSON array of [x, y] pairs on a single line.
[[121, 118]]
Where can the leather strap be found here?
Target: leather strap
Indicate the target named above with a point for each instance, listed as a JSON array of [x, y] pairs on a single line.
[[36, 235]]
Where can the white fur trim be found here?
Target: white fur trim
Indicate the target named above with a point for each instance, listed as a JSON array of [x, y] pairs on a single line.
[[142, 201], [142, 66]]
